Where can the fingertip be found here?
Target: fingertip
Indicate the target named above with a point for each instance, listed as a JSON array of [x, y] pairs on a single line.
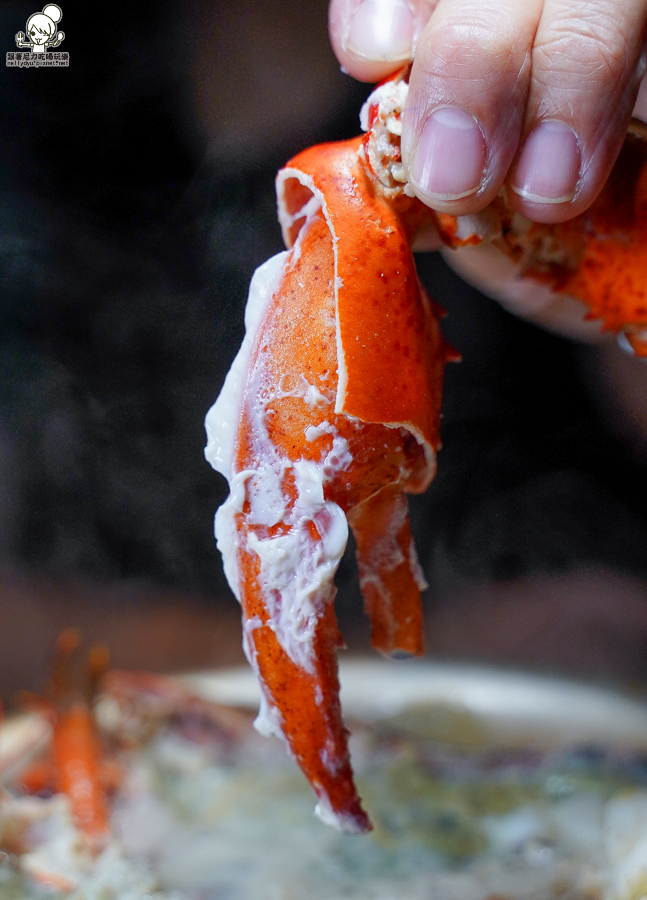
[[544, 213], [546, 176], [371, 38], [449, 161], [466, 102], [380, 31], [558, 174], [582, 90]]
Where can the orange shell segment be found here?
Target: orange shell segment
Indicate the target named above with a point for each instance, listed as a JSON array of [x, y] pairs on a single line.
[[390, 351], [611, 277], [76, 756]]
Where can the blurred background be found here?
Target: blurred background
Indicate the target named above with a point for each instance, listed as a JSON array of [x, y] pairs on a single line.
[[136, 200]]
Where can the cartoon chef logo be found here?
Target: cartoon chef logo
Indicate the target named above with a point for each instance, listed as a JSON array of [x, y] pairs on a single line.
[[42, 33]]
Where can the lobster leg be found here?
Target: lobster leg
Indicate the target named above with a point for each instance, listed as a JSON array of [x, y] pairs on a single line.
[[77, 761], [390, 575]]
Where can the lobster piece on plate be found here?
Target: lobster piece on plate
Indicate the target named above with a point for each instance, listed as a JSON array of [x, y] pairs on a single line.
[[73, 760], [330, 415], [58, 824]]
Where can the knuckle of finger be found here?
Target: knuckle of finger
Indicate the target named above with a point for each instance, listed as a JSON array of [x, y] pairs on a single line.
[[593, 49], [472, 50]]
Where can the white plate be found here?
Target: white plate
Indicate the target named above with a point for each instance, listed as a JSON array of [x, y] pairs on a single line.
[[509, 707]]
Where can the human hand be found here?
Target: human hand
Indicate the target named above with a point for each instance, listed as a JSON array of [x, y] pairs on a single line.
[[536, 95]]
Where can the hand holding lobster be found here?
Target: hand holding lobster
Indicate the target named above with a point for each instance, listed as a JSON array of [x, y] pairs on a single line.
[[535, 96]]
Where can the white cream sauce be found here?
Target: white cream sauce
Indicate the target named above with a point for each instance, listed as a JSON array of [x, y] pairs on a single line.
[[269, 721], [58, 859], [225, 528], [325, 812], [302, 388], [296, 570], [222, 419]]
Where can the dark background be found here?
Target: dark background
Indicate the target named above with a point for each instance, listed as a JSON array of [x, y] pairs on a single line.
[[136, 200]]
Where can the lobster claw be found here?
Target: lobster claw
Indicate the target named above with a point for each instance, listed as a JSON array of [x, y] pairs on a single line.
[[329, 413]]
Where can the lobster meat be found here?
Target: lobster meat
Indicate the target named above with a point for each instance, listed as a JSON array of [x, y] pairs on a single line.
[[330, 412]]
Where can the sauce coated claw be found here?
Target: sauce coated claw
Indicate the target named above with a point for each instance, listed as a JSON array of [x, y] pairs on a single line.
[[330, 412]]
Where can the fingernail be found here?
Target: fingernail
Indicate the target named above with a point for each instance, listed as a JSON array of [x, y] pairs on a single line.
[[381, 30], [450, 157], [549, 167]]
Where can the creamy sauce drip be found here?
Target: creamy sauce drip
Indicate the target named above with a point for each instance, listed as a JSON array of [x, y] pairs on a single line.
[[325, 812], [296, 569], [223, 418]]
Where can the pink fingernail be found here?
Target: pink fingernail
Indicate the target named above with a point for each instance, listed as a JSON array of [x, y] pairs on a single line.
[[549, 167], [450, 157], [381, 30]]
